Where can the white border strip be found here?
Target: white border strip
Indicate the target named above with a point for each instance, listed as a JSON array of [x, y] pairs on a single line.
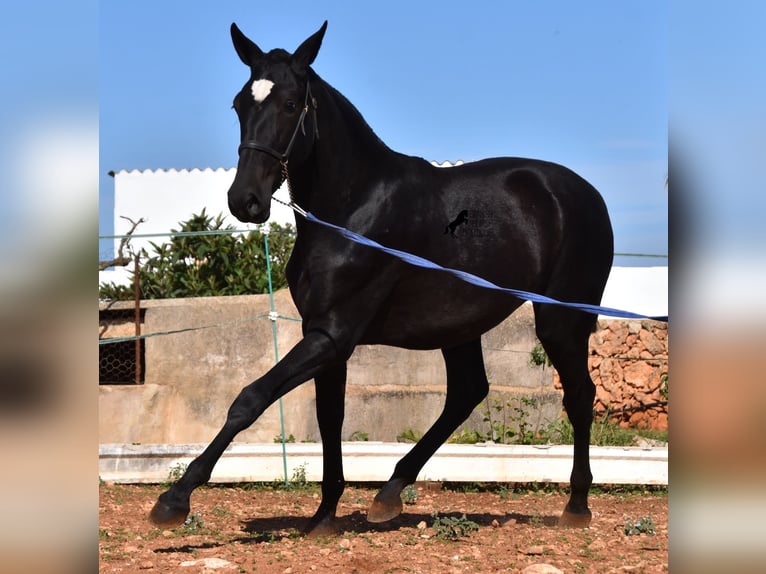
[[375, 461]]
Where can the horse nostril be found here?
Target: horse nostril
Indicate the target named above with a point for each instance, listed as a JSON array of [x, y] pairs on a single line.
[[252, 206]]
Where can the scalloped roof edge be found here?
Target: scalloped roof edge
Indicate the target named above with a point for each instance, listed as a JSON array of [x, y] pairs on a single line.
[[445, 163]]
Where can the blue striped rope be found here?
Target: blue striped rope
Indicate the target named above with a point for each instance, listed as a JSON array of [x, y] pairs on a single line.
[[469, 277]]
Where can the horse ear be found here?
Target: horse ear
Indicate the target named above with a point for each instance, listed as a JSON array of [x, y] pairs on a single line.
[[246, 49], [306, 52]]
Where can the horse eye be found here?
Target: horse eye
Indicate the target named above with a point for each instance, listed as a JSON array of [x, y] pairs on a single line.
[[290, 106]]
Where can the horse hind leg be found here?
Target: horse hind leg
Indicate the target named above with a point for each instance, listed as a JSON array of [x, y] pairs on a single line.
[[467, 386], [564, 334]]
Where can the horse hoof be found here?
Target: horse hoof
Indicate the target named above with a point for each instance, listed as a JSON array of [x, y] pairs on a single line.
[[166, 516], [384, 510], [569, 519]]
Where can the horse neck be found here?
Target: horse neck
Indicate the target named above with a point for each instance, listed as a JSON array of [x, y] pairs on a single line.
[[347, 158]]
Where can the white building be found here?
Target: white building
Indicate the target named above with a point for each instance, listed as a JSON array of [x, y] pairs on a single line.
[[163, 198]]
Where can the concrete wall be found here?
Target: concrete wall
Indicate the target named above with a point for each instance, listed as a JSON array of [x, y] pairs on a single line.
[[192, 377]]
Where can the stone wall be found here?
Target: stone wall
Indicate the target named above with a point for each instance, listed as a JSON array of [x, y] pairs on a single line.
[[629, 364], [193, 375]]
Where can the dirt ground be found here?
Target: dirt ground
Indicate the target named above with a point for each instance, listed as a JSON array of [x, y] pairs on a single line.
[[256, 530]]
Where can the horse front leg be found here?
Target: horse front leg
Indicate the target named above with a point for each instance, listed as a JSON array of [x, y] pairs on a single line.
[[311, 355], [330, 387]]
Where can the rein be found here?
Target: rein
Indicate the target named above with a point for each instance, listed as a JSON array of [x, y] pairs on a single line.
[[283, 158]]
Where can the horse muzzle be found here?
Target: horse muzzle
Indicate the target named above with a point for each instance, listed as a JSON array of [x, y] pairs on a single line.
[[247, 206]]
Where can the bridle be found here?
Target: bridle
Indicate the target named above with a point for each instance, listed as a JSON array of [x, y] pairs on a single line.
[[283, 158]]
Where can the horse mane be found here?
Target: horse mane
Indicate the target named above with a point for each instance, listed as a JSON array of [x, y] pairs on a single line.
[[350, 115]]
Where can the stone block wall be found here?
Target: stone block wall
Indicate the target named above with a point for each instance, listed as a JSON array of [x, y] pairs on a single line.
[[629, 364]]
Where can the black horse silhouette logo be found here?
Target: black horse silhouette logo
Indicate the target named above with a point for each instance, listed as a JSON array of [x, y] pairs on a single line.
[[461, 218]]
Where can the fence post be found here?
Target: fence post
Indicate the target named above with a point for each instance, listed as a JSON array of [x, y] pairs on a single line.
[[273, 317], [137, 317]]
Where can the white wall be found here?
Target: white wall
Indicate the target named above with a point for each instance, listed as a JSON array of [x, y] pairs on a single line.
[[166, 197]]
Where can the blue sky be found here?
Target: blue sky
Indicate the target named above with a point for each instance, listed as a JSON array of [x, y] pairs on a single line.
[[582, 84]]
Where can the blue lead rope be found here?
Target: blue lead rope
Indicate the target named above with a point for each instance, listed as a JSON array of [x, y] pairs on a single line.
[[470, 278]]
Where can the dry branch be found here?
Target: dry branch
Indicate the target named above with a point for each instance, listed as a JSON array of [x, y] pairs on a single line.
[[121, 260]]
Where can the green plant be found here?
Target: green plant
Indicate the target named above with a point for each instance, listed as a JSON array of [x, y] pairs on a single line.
[[409, 435], [603, 432], [298, 477], [664, 386], [289, 439], [176, 471], [358, 435], [644, 525], [538, 357], [509, 421], [409, 494], [466, 436], [453, 528], [193, 524], [209, 264]]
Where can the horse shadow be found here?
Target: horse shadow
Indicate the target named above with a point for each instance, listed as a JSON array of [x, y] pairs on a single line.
[[274, 529]]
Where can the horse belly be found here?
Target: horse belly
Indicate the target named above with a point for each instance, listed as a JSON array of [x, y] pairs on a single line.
[[438, 311]]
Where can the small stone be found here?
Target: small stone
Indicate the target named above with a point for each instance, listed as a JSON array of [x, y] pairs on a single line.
[[167, 533], [208, 563], [495, 523], [146, 565], [534, 550], [345, 544], [510, 522], [325, 551], [422, 525], [541, 569], [287, 570]]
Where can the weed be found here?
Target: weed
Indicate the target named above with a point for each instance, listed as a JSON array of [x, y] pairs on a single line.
[[175, 472], [664, 386], [220, 512], [193, 524], [538, 357], [409, 494], [409, 435], [465, 436], [298, 477], [644, 525], [453, 528], [290, 439], [359, 436], [508, 421]]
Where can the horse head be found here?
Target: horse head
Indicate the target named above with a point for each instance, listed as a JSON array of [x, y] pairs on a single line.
[[273, 110]]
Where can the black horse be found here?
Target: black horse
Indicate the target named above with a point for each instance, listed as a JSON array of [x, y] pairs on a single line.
[[549, 232]]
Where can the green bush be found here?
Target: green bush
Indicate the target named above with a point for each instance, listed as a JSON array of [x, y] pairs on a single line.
[[209, 265], [452, 527]]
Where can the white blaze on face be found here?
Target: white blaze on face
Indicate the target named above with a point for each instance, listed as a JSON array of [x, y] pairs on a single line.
[[260, 89]]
